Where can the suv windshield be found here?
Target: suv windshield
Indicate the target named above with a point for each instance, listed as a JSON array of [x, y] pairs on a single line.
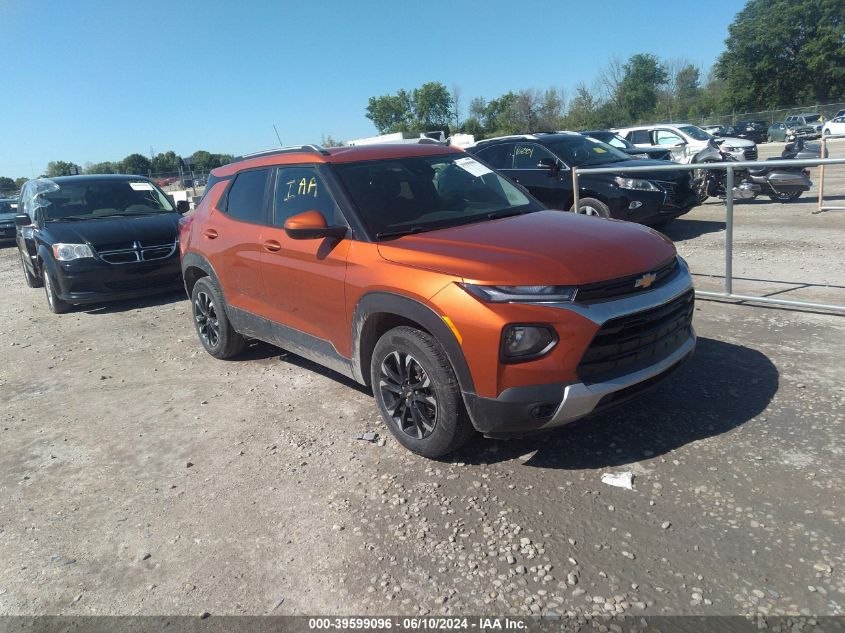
[[424, 193], [695, 132], [91, 199], [582, 151]]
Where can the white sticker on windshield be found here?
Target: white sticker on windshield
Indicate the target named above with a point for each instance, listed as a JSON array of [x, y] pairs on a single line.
[[472, 166], [141, 186]]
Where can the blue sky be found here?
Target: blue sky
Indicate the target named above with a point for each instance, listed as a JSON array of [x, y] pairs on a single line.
[[97, 80]]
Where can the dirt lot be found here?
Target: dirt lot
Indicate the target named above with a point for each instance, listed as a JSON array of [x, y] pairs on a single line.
[[138, 475]]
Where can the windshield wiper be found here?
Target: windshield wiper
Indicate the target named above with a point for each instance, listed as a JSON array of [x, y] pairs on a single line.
[[504, 213], [410, 231], [72, 218]]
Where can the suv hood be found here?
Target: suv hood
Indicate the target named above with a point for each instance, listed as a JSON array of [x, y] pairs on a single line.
[[545, 247], [733, 141], [109, 233]]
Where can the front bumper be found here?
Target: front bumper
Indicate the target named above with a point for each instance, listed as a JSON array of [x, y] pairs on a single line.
[[524, 409], [93, 281], [7, 230]]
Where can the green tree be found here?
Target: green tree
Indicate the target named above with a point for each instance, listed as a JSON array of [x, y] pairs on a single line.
[[431, 105], [328, 141], [638, 90], [165, 162], [7, 185], [783, 52], [20, 182], [106, 167], [136, 164], [390, 113], [61, 168]]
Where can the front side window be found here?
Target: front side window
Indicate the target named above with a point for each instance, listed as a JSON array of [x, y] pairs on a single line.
[[300, 189], [527, 155], [424, 193], [245, 201], [695, 132]]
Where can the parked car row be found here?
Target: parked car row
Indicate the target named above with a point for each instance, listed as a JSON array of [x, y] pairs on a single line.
[[416, 270]]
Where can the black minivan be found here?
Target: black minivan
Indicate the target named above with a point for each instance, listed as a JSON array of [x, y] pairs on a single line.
[[89, 239], [542, 163]]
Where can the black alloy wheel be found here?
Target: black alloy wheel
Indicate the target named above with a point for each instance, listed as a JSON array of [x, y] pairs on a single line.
[[205, 315], [408, 395]]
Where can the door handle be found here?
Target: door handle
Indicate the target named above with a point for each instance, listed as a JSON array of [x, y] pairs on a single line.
[[272, 246], [210, 234]]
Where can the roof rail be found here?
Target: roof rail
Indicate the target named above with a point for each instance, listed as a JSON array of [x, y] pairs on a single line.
[[499, 138], [309, 147]]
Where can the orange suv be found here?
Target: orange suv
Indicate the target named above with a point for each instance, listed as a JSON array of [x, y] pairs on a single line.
[[418, 271]]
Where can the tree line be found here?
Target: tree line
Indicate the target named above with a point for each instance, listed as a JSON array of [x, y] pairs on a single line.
[[778, 52], [136, 164]]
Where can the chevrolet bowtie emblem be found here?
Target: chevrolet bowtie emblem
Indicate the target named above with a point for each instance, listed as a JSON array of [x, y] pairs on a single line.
[[645, 281]]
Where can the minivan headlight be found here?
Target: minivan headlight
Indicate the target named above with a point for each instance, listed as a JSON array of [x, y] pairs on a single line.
[[637, 184], [68, 252], [521, 294]]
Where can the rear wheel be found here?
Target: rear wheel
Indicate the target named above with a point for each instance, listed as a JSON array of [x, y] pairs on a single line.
[[591, 206], [216, 333], [785, 196], [56, 305], [31, 280], [417, 393]]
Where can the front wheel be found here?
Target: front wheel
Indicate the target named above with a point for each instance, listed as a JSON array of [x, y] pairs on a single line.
[[785, 196], [591, 206], [417, 393], [56, 305], [33, 281], [216, 333]]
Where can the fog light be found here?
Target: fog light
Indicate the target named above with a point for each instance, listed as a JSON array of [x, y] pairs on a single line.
[[636, 204], [525, 342]]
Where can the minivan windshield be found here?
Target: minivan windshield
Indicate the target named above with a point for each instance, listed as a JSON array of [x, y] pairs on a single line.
[[398, 196], [88, 199], [582, 151]]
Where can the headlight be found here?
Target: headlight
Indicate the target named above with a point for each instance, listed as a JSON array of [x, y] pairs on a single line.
[[68, 252], [637, 184], [522, 294], [524, 342]]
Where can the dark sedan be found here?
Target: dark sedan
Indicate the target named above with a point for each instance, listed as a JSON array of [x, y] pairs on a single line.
[[8, 208], [94, 238], [756, 131], [614, 140], [542, 163]]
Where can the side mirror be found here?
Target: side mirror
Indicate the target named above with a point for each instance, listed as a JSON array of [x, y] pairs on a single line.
[[183, 206], [22, 219], [548, 163], [311, 225]]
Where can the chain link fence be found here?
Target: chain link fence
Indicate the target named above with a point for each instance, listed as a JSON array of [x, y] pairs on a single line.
[[774, 115]]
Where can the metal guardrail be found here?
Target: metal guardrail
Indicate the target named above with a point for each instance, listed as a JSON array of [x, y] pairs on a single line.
[[730, 168]]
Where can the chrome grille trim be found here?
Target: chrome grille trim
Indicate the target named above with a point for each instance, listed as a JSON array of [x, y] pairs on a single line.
[[139, 253]]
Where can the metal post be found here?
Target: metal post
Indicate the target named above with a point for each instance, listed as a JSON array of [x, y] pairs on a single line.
[[823, 154], [729, 229], [576, 199]]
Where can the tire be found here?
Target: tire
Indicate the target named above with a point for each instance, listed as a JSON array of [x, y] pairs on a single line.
[[417, 393], [591, 206], [31, 280], [785, 196], [214, 329], [56, 305]]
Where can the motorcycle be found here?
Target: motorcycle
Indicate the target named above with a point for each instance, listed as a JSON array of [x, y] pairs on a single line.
[[781, 184]]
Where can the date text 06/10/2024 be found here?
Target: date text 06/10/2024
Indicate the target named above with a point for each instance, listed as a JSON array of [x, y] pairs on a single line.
[[417, 624]]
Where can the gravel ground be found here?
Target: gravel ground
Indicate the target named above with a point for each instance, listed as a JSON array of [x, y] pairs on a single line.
[[141, 476]]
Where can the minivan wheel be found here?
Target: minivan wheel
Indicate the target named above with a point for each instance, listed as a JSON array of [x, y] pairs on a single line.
[[591, 206], [417, 393], [56, 305], [31, 280], [214, 329]]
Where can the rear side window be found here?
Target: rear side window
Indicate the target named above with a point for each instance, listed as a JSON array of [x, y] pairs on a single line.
[[301, 189], [245, 201], [497, 156], [639, 137]]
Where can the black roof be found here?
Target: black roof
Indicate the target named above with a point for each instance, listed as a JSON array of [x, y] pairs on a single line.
[[91, 177], [538, 137]]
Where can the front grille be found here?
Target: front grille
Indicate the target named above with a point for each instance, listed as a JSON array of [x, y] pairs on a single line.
[[750, 153], [622, 286], [138, 252], [626, 344]]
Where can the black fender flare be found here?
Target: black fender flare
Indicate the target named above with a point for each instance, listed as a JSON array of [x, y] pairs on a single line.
[[394, 304], [44, 254], [194, 260]]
